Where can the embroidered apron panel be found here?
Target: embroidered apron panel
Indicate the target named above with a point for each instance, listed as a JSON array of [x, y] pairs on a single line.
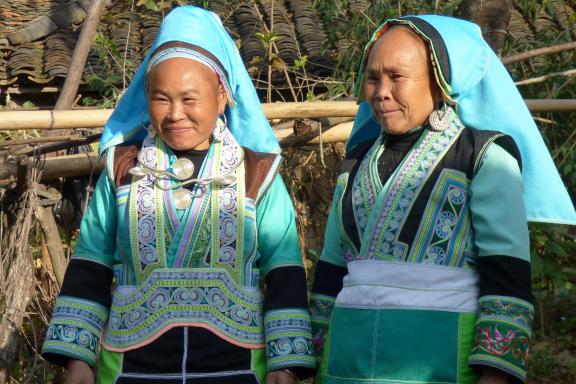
[[203, 297]]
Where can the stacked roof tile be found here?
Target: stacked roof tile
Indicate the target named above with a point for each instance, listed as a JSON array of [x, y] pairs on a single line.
[[37, 37]]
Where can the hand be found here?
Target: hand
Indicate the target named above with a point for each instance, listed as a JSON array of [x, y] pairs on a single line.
[[79, 372], [493, 376], [280, 377]]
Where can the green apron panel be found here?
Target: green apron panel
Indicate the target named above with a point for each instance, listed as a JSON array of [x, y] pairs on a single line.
[[399, 346]]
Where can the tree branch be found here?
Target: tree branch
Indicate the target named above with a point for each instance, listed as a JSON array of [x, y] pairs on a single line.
[[538, 52], [540, 79]]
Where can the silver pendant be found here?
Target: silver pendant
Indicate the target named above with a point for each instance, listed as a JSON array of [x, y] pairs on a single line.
[[183, 168], [182, 198]]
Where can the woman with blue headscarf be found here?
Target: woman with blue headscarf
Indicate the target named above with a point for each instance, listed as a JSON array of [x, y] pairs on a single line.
[[187, 268], [425, 272]]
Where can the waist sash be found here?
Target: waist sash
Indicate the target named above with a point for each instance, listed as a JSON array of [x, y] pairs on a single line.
[[385, 284]]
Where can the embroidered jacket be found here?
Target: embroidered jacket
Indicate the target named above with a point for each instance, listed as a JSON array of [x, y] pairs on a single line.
[[445, 233], [198, 267]]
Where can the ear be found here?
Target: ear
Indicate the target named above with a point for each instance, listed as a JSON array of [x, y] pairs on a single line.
[[222, 99]]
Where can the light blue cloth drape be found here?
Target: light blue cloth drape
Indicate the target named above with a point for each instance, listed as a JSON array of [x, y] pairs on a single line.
[[486, 98], [203, 28]]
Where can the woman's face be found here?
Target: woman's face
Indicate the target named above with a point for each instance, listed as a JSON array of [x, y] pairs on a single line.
[[184, 100], [398, 85]]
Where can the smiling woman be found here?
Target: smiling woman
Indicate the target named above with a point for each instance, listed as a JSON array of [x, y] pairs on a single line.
[[190, 220], [185, 100], [425, 272]]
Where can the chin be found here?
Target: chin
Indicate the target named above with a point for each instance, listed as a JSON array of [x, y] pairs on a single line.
[[183, 146], [395, 130]]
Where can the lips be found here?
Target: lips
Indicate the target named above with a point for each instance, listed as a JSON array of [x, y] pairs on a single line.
[[177, 129], [386, 113]]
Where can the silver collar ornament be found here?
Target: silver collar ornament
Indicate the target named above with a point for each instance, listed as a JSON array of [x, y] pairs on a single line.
[[183, 169]]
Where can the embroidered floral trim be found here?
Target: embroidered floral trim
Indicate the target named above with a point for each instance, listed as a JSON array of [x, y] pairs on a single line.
[[508, 309], [418, 166], [441, 237], [364, 191], [229, 242], [321, 307], [503, 332], [146, 220], [288, 342], [186, 296], [75, 328]]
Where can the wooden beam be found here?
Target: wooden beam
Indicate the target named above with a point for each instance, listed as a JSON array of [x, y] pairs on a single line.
[[82, 164], [61, 166], [91, 118]]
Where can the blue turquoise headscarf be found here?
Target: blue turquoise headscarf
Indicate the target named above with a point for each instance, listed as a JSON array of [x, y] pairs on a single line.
[[474, 79], [204, 29]]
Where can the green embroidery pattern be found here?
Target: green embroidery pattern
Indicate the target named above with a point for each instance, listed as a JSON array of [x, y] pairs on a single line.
[[75, 328], [393, 209], [503, 332], [185, 297], [321, 307], [288, 342], [442, 236]]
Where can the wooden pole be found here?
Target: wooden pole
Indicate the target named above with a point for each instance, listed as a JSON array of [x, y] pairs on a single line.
[[82, 164], [61, 166], [91, 118], [78, 61], [335, 134]]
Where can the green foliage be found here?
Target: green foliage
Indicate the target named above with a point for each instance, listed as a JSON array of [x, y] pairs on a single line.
[[29, 105], [267, 38], [350, 28], [107, 82], [301, 63]]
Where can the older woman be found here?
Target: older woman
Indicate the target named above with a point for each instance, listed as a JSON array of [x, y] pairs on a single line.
[[425, 272], [188, 222]]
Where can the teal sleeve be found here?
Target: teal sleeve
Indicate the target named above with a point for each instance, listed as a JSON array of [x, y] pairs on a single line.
[[505, 313], [330, 271], [82, 308], [97, 239], [287, 325], [497, 206], [332, 250], [277, 235]]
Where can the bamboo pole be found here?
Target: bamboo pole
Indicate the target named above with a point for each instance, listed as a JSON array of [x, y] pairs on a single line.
[[338, 133], [91, 118], [84, 163]]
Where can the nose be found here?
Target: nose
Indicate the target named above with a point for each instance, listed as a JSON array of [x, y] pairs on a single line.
[[383, 90], [176, 111]]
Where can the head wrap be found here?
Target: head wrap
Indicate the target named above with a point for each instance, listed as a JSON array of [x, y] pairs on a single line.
[[473, 78], [212, 46]]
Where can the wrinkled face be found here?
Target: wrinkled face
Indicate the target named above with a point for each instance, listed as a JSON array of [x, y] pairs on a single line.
[[184, 100], [398, 84]]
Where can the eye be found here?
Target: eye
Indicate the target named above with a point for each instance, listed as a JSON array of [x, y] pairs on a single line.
[[159, 99], [371, 76], [396, 76]]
